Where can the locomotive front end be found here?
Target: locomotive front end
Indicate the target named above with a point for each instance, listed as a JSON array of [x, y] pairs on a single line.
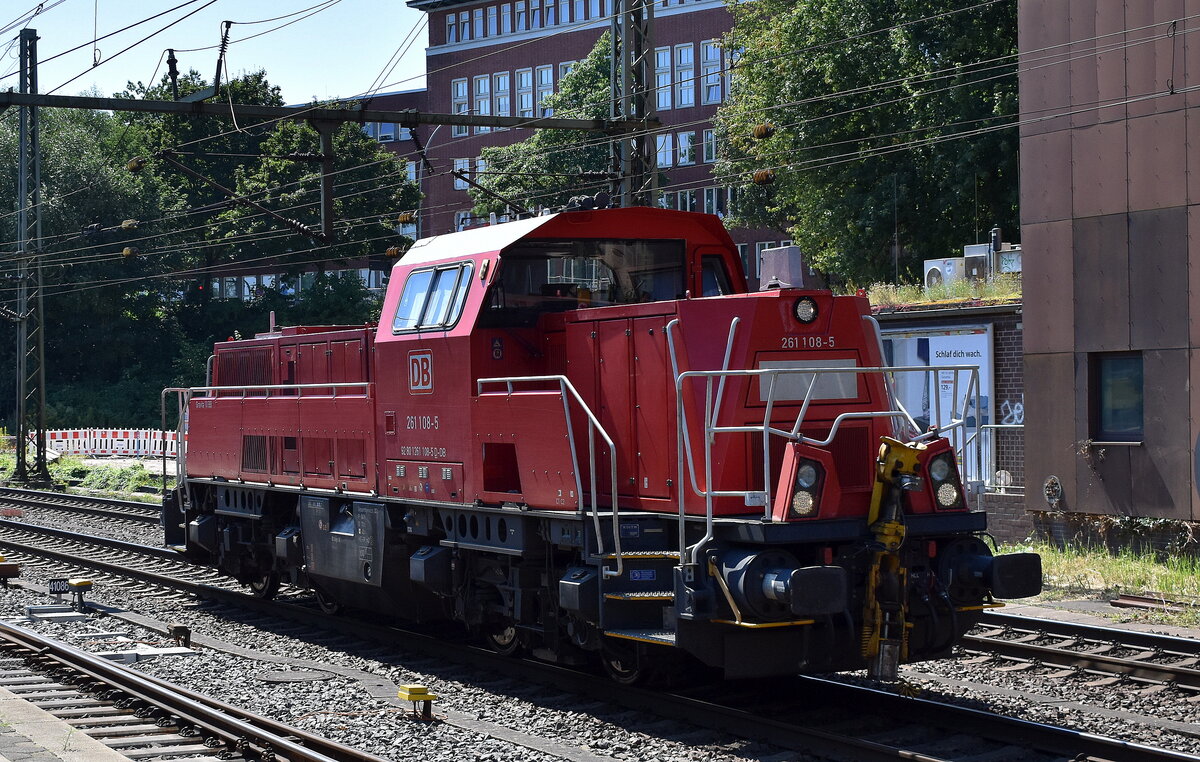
[[825, 523]]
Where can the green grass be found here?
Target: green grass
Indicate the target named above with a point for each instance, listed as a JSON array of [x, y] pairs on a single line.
[[1096, 573], [1002, 287], [108, 480]]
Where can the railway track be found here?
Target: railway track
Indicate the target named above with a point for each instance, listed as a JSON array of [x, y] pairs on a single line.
[[143, 717], [1106, 653], [103, 507], [881, 725]]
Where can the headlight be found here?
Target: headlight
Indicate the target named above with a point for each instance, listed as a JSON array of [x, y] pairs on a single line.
[[806, 476], [805, 309], [939, 469], [806, 492], [947, 495]]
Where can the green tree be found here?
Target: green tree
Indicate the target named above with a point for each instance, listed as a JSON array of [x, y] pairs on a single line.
[[545, 169], [870, 128]]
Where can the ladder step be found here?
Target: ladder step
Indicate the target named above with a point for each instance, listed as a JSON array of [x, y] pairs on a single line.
[[642, 595], [673, 554], [661, 637]]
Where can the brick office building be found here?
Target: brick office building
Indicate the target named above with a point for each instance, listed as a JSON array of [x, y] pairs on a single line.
[[502, 57], [1110, 209]]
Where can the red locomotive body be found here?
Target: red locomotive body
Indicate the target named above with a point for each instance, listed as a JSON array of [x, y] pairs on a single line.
[[578, 433]]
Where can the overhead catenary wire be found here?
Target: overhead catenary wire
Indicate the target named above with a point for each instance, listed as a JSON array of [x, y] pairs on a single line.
[[934, 127]]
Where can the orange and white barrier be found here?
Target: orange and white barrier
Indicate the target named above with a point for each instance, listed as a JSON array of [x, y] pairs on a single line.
[[130, 443]]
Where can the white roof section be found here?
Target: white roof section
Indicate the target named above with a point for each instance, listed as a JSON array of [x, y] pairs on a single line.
[[478, 240]]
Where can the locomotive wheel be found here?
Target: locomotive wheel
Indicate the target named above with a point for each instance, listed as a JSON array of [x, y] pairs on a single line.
[[623, 664], [328, 605], [265, 586], [502, 638]]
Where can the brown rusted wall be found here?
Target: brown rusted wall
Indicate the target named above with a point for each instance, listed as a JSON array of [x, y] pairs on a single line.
[[1110, 174]]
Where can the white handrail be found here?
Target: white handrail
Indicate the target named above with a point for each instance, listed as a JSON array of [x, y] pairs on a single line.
[[594, 426], [956, 427]]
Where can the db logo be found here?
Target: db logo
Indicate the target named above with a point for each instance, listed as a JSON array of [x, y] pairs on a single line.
[[420, 372]]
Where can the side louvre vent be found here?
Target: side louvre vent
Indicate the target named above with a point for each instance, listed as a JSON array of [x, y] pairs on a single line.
[[254, 453]]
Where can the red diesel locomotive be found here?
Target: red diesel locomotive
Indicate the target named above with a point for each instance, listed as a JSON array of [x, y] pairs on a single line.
[[578, 434]]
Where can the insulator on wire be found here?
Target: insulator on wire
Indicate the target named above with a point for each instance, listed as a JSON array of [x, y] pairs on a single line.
[[129, 225], [406, 218], [764, 176], [763, 131], [130, 251], [135, 164], [393, 251]]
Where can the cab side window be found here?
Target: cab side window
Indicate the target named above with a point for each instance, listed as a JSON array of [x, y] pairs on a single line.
[[433, 298]]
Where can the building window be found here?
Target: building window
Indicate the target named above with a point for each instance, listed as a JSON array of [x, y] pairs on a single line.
[[506, 18], [480, 169], [687, 148], [579, 10], [522, 19], [564, 69], [451, 28], [665, 145], [461, 220], [744, 255], [666, 200], [459, 104], [564, 12], [710, 146], [462, 166], [1117, 397], [478, 28], [403, 133], [595, 10], [710, 93], [551, 18], [464, 26], [685, 75], [369, 129], [410, 170], [525, 92], [545, 88], [500, 86], [758, 250], [535, 13], [687, 200], [714, 201], [483, 99], [662, 78], [387, 132], [493, 27]]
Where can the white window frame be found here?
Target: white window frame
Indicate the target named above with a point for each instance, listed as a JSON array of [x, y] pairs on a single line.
[[481, 89], [460, 103], [493, 21], [535, 14], [662, 79], [520, 17], [551, 14], [464, 166], [477, 28], [525, 92], [545, 87], [565, 68], [686, 144], [685, 75], [451, 28], [387, 132], [710, 73], [665, 149], [501, 89], [710, 146], [506, 26], [464, 27]]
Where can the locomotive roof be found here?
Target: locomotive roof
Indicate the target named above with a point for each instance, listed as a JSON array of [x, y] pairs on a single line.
[[471, 241], [492, 238]]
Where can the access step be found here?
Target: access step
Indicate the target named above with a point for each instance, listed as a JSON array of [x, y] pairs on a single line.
[[642, 595], [642, 554], [660, 637]]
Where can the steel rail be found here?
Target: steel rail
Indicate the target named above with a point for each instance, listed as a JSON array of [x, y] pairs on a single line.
[[233, 726], [121, 513], [59, 497]]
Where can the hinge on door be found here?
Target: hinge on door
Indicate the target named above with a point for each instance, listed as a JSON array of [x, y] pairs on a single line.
[[628, 332]]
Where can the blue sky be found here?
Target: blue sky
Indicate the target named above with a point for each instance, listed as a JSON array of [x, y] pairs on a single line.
[[337, 52]]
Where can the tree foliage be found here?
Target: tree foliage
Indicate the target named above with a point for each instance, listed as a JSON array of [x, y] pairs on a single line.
[[121, 327], [545, 169], [873, 130]]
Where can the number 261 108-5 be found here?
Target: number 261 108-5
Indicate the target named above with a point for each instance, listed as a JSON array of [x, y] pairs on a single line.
[[806, 342]]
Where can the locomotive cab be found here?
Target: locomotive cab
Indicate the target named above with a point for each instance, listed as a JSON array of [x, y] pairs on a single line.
[[580, 435]]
